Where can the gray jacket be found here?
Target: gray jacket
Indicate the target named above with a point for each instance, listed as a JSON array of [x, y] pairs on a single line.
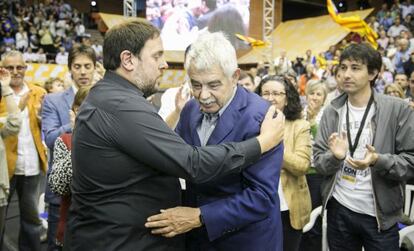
[[393, 129]]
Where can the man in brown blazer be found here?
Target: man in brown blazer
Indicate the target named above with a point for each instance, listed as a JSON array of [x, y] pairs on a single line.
[[26, 154]]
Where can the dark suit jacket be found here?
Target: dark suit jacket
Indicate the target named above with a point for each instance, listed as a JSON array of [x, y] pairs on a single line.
[[55, 121], [125, 167], [240, 211]]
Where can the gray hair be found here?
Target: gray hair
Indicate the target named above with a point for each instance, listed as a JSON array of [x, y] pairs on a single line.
[[210, 49], [313, 85], [11, 53]]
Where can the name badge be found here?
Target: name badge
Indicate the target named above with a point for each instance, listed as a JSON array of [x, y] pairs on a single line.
[[348, 177]]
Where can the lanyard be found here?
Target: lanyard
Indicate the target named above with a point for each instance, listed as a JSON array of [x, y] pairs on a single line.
[[352, 147]]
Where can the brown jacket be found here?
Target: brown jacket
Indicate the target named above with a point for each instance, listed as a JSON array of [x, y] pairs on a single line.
[[296, 161], [10, 142]]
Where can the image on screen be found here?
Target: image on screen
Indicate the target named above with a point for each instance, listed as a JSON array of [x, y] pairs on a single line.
[[181, 21]]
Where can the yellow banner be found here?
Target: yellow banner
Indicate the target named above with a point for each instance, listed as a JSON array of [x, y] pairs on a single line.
[[39, 73], [172, 78]]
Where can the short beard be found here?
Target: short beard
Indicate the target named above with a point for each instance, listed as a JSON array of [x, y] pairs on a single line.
[[14, 84], [148, 90]]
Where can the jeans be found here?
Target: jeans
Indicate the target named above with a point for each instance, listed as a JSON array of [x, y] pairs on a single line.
[[348, 230], [28, 188]]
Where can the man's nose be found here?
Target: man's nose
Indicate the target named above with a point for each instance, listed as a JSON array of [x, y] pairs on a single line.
[[204, 93], [346, 73], [163, 65]]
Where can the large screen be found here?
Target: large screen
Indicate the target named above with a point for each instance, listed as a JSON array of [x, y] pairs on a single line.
[[181, 21]]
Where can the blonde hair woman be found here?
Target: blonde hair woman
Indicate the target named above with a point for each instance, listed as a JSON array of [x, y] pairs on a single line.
[[394, 90], [316, 93]]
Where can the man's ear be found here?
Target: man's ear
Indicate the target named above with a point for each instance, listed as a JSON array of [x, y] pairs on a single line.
[[236, 76], [127, 62], [373, 75]]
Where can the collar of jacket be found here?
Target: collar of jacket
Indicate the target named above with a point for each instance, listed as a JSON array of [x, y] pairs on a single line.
[[339, 101], [122, 82]]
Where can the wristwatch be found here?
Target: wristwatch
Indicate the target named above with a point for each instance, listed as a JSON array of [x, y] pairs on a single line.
[[201, 219]]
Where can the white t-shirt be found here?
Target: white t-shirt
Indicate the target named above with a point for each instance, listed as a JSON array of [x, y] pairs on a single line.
[[283, 204], [27, 162], [353, 188]]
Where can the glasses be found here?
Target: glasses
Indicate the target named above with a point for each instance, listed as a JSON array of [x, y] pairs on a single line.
[[273, 94], [18, 67]]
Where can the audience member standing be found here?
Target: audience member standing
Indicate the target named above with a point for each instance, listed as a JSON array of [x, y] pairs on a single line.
[[316, 94], [364, 148], [26, 155], [56, 119], [295, 201]]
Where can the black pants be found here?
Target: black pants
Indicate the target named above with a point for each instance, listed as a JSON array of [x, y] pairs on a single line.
[[349, 231], [312, 240], [291, 236]]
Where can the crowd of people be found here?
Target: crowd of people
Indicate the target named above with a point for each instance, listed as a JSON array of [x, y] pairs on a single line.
[[181, 21], [395, 28], [232, 160], [44, 32]]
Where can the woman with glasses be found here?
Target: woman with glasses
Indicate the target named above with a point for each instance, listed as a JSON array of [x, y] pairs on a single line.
[[295, 202]]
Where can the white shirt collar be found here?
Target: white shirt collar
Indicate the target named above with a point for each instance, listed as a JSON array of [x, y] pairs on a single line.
[[74, 88]]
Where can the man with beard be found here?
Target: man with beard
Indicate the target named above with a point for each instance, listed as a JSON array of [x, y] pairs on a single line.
[[26, 155], [126, 160]]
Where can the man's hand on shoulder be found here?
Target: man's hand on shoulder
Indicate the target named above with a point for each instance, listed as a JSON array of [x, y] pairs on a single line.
[[174, 221], [272, 129]]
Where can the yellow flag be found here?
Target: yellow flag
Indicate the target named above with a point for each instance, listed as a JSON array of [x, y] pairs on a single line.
[[354, 24], [253, 42]]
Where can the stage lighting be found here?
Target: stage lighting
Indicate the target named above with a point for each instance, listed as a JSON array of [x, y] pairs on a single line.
[[342, 6], [94, 6]]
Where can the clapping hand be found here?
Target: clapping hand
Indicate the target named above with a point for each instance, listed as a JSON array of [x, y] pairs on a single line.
[[5, 78], [370, 158], [23, 100], [311, 110], [338, 145]]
